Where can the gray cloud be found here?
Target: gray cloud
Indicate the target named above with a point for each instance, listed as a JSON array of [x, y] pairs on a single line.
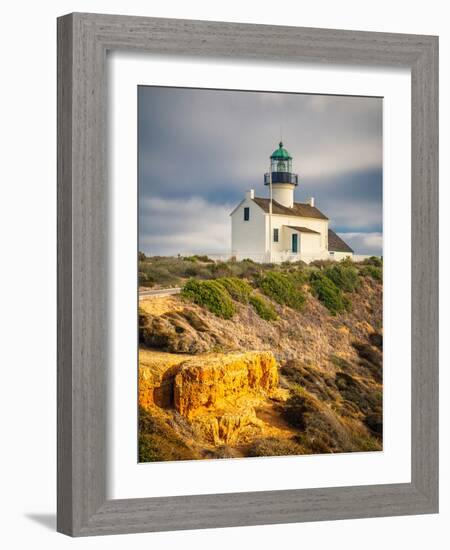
[[192, 226], [364, 243]]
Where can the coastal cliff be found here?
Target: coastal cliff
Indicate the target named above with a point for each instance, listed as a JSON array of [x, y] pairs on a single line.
[[308, 380]]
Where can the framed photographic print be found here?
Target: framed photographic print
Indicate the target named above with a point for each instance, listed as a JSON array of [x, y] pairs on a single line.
[[247, 274]]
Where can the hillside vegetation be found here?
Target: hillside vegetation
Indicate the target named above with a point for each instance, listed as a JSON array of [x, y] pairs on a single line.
[[321, 323]]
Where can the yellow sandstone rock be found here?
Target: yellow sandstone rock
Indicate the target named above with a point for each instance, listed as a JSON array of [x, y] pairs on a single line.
[[222, 380], [156, 376], [217, 393]]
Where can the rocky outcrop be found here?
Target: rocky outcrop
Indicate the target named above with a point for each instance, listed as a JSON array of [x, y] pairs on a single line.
[[185, 331], [224, 379], [156, 386], [219, 395], [216, 393]]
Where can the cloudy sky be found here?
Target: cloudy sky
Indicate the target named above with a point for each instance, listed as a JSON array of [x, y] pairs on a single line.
[[200, 150]]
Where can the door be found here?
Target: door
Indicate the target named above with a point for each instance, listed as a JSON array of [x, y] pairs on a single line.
[[294, 243]]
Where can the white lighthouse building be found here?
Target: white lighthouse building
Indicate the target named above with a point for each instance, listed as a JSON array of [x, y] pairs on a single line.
[[276, 228]]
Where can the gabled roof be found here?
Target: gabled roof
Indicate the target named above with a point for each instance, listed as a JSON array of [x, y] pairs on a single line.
[[302, 229], [336, 244], [234, 209], [299, 209]]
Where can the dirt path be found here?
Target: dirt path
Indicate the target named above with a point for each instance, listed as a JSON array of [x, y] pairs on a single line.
[[143, 294], [271, 414]]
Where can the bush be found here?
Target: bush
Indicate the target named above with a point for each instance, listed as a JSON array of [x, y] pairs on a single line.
[[280, 288], [321, 264], [316, 381], [159, 442], [238, 289], [220, 269], [372, 271], [198, 258], [203, 258], [189, 259], [272, 446], [247, 268], [145, 280], [364, 398], [298, 277], [328, 293], [196, 270], [322, 430], [375, 261], [343, 276], [210, 294], [263, 308]]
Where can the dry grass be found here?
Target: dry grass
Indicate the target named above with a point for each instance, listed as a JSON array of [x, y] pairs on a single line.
[[158, 305], [159, 441]]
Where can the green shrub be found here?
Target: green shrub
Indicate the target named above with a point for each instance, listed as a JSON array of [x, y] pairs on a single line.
[[372, 271], [158, 441], [204, 258], [220, 269], [322, 429], [162, 271], [210, 294], [328, 293], [280, 288], [197, 270], [321, 264], [198, 258], [238, 289], [271, 446], [343, 276], [263, 308], [374, 260], [247, 268], [145, 280], [364, 398], [189, 259], [298, 277]]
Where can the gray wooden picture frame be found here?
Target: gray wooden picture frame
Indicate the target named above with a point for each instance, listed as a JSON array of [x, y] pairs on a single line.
[[83, 240]]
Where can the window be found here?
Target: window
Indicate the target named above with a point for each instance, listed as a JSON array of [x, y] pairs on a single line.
[[246, 213], [275, 235]]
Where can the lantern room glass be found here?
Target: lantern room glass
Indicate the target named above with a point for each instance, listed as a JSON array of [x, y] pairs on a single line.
[[281, 165]]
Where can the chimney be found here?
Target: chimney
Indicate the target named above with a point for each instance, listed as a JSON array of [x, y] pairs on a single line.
[[311, 201], [250, 194]]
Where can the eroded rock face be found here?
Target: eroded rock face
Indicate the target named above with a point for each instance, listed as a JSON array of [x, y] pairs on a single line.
[[221, 426], [224, 379], [183, 331], [216, 393], [156, 388], [219, 395]]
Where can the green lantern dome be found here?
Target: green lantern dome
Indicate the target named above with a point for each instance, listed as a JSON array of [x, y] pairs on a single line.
[[281, 153]]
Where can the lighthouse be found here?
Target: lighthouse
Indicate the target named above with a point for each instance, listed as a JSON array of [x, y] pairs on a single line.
[[283, 180], [277, 229]]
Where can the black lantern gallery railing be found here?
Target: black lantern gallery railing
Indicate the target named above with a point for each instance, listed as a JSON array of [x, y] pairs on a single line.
[[281, 177]]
